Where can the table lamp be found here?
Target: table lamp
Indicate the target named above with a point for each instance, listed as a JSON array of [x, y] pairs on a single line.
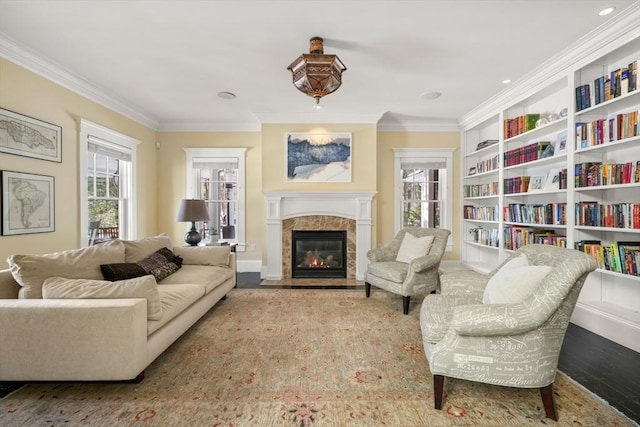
[[192, 210]]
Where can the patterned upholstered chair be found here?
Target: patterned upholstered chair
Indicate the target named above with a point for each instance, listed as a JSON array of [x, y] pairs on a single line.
[[403, 268], [502, 341]]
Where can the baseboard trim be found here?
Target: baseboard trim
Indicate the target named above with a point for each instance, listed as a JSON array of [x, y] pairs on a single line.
[[608, 326]]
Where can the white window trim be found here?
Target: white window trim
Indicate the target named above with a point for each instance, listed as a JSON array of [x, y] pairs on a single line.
[[121, 142], [192, 191], [416, 155]]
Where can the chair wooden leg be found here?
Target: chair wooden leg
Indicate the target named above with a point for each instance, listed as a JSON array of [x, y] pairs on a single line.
[[405, 304], [438, 390], [547, 400], [367, 289]]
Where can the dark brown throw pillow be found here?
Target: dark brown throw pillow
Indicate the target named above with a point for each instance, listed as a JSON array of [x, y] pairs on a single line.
[[160, 264]]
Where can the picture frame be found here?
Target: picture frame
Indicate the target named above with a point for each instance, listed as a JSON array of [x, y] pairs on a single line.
[[561, 143], [28, 203], [29, 137], [319, 157], [472, 171], [536, 183], [553, 179]]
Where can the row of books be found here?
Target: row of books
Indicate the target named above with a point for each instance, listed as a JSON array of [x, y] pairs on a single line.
[[527, 153], [592, 174], [487, 237], [620, 257], [487, 165], [615, 128], [480, 190], [521, 124], [515, 237], [485, 213], [609, 86], [518, 184], [616, 215], [547, 214]]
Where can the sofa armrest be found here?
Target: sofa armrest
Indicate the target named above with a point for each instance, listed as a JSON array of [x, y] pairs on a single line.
[[74, 339], [493, 320], [382, 253]]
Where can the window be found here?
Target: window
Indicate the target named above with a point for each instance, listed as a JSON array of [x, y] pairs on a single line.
[[423, 188], [107, 190], [216, 175]]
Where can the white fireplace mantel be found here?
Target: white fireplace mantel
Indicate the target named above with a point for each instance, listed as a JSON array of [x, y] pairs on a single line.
[[284, 205]]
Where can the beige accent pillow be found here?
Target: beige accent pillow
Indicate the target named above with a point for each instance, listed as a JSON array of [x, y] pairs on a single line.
[[31, 270], [414, 247], [140, 287], [204, 255], [514, 282], [137, 250]]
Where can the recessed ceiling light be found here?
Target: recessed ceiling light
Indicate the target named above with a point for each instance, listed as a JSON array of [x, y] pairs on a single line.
[[431, 95], [506, 81], [606, 11], [226, 95]]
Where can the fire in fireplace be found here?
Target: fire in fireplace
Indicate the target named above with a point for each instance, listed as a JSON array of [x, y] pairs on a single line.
[[319, 253]]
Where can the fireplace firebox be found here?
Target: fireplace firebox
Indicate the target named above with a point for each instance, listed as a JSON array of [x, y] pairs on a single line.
[[319, 253]]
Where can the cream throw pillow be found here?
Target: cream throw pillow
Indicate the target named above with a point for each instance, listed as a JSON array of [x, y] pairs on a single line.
[[137, 250], [31, 270], [414, 247], [204, 255], [514, 282], [140, 287]]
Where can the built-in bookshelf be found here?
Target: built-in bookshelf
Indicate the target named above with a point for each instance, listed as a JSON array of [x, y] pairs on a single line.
[[558, 163]]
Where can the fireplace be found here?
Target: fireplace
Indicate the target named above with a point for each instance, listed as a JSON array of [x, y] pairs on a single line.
[[319, 253]]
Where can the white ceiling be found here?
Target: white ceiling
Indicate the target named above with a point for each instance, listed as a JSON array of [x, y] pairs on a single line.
[[163, 62]]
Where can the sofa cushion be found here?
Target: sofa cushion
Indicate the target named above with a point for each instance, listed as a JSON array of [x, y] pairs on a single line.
[[160, 264], [414, 247], [174, 299], [30, 271], [208, 276], [514, 282], [137, 250], [204, 255], [140, 287]]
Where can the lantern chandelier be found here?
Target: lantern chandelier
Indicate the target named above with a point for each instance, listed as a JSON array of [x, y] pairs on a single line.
[[315, 73]]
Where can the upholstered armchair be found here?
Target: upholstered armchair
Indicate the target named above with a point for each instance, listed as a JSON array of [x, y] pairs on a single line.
[[505, 328], [408, 265]]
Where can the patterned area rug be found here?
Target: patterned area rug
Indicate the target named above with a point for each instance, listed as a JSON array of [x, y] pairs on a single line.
[[299, 358]]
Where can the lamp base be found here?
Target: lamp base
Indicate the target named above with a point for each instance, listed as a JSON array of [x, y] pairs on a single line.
[[192, 237]]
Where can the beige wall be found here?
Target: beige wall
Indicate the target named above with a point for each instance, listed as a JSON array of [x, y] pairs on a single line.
[[26, 93], [161, 171], [387, 141]]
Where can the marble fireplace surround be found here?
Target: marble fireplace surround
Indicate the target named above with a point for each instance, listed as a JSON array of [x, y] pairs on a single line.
[[281, 206]]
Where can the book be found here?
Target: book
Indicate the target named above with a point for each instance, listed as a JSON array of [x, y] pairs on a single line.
[[553, 179]]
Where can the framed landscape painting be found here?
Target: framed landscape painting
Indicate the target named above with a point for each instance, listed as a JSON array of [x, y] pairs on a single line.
[[28, 204], [319, 157], [26, 136]]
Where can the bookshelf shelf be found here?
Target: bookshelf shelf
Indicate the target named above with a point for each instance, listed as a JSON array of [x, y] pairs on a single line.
[[608, 229], [606, 294], [530, 225], [481, 221]]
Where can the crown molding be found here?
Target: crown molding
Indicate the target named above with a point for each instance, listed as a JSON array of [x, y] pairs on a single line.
[[616, 32], [25, 57], [210, 127], [427, 125]]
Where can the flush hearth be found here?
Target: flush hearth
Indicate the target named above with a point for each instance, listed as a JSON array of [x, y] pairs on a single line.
[[318, 254]]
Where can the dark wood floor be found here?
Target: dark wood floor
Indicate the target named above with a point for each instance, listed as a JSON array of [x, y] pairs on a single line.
[[607, 369]]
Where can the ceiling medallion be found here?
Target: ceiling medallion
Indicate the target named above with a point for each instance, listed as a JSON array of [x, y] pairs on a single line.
[[315, 73]]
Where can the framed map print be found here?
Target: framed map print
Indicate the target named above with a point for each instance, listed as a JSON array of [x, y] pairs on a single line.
[[28, 204], [26, 136]]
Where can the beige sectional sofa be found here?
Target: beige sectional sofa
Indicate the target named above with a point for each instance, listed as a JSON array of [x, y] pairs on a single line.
[[60, 320]]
